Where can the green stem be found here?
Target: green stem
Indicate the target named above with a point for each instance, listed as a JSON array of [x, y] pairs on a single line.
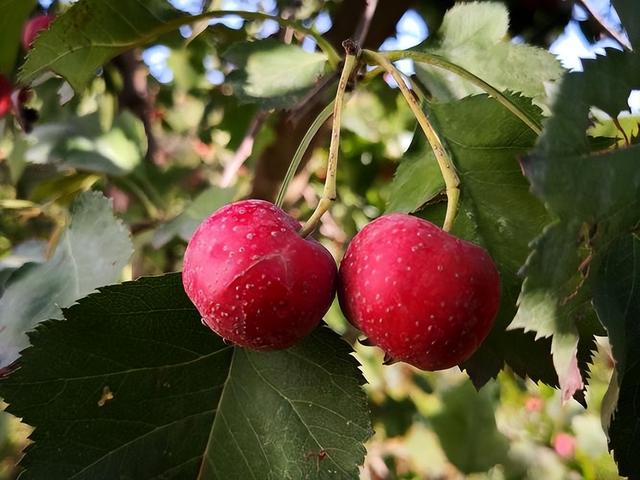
[[438, 61], [322, 117], [449, 174], [329, 192]]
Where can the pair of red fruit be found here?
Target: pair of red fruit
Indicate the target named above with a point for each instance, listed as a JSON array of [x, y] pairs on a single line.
[[422, 295]]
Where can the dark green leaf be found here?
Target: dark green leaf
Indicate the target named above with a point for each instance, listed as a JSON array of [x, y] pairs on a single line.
[[92, 252], [131, 385], [596, 198], [616, 296], [467, 429], [271, 73], [297, 413], [14, 14]]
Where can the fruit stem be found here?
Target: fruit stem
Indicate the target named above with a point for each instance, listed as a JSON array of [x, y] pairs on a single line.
[[329, 193], [322, 117], [438, 61], [447, 169]]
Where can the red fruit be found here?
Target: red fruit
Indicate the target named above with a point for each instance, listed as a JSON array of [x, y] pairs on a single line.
[[33, 27], [422, 295], [5, 95], [255, 281]]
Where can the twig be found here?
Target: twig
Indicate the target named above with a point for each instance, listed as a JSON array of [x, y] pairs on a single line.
[[449, 174], [135, 97], [365, 22], [608, 29], [329, 193], [244, 150]]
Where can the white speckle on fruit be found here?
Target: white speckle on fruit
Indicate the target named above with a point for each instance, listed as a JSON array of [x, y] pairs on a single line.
[[250, 236]]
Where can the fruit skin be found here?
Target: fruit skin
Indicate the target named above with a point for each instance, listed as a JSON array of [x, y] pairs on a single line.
[[33, 27], [422, 295], [255, 281], [5, 95]]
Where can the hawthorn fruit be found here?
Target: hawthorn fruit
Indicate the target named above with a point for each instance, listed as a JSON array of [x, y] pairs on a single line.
[[33, 27], [423, 296], [5, 95], [256, 282]]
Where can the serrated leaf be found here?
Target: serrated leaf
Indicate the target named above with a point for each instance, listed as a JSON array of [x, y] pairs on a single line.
[[616, 296], [474, 36], [92, 252], [132, 385], [498, 212], [595, 197], [185, 223], [92, 32], [14, 14], [605, 83], [271, 73], [469, 415]]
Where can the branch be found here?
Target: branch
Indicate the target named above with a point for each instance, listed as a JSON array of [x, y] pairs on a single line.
[[362, 30], [244, 150], [604, 25], [135, 97]]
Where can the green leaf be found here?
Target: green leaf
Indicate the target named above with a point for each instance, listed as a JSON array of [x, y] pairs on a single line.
[[498, 212], [475, 36], [92, 32], [82, 144], [467, 429], [92, 252], [605, 83], [271, 73], [185, 223], [30, 251], [14, 14], [616, 296], [595, 197], [417, 179], [131, 385]]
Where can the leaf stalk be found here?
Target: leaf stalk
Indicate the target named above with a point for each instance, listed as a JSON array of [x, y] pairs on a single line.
[[451, 180], [329, 193]]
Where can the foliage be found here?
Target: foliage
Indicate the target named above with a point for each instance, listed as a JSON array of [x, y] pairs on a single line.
[[151, 371], [120, 166]]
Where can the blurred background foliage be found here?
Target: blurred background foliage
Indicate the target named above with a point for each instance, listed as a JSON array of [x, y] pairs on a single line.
[[166, 135]]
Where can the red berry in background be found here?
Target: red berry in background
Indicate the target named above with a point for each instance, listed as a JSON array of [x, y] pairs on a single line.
[[422, 295], [33, 27], [255, 281], [5, 95]]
